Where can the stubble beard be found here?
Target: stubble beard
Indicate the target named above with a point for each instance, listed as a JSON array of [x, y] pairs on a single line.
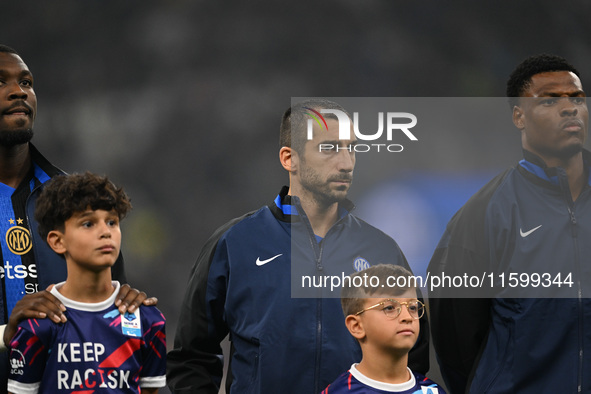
[[11, 138], [564, 153], [320, 189], [570, 151]]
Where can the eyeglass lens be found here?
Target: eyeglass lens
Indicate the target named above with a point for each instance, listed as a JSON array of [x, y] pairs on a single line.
[[393, 308]]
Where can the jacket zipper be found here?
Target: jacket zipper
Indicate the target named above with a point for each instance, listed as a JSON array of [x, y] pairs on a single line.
[[318, 249], [570, 204]]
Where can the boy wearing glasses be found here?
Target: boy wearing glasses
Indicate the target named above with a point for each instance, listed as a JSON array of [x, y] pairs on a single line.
[[385, 321]]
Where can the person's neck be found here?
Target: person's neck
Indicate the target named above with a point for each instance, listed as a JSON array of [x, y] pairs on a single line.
[[575, 172], [87, 286], [15, 163], [321, 216], [384, 367]]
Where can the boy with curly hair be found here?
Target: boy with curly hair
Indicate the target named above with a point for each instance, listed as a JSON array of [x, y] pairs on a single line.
[[97, 349]]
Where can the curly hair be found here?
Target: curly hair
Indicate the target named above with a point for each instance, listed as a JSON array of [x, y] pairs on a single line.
[[520, 78], [65, 195]]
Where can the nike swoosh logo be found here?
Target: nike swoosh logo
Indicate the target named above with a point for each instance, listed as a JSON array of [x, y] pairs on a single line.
[[263, 262], [523, 235]]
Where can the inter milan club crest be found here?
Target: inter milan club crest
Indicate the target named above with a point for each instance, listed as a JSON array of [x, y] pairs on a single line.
[[18, 238], [360, 264]]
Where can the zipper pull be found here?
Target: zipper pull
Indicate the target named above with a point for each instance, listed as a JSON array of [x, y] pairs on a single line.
[[569, 199], [573, 221]]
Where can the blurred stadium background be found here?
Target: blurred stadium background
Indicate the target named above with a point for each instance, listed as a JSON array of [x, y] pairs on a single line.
[[180, 103]]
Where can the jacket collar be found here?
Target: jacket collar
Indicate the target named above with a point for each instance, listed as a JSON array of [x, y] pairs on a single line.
[[286, 208], [43, 163], [535, 165]]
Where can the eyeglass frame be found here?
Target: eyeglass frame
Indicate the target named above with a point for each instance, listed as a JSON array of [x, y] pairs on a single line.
[[406, 303]]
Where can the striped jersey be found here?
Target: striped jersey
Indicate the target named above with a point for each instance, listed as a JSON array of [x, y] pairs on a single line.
[[19, 272], [97, 350]]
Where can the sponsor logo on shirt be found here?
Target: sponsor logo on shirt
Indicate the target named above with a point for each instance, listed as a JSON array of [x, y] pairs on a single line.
[[131, 324], [20, 271]]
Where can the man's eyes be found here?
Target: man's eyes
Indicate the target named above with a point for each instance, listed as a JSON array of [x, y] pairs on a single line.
[[24, 82], [554, 100]]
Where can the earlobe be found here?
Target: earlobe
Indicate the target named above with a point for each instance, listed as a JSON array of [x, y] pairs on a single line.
[[355, 326], [55, 242], [288, 158], [518, 118]]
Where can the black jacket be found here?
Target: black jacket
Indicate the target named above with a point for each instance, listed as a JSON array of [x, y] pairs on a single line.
[[529, 331]]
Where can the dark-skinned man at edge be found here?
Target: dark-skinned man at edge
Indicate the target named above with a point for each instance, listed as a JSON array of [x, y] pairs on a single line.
[[532, 219], [28, 263]]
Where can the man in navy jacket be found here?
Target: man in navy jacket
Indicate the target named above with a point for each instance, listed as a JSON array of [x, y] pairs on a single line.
[[528, 231], [286, 336]]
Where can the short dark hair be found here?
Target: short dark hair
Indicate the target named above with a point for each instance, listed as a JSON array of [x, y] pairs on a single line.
[[353, 297], [520, 78], [292, 132], [7, 49], [65, 195]]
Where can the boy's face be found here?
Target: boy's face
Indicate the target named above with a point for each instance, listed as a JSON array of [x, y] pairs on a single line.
[[91, 239], [386, 334]]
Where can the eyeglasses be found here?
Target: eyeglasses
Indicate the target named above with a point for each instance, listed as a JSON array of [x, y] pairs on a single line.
[[392, 308]]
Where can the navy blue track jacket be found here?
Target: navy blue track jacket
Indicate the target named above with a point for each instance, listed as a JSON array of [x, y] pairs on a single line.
[[241, 285], [534, 340]]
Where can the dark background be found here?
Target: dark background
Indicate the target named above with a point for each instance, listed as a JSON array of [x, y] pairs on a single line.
[[180, 101]]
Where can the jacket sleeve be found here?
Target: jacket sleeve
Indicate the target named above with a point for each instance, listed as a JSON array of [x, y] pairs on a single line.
[[461, 317], [418, 357], [459, 326], [195, 364]]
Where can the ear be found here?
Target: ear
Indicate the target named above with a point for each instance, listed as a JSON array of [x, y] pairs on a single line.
[[518, 120], [288, 158], [355, 326], [55, 240]]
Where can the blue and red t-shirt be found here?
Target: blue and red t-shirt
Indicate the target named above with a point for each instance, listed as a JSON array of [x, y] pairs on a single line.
[[354, 381], [97, 350]]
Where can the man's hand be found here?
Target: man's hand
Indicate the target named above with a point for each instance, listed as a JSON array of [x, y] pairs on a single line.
[[34, 306], [128, 299]]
